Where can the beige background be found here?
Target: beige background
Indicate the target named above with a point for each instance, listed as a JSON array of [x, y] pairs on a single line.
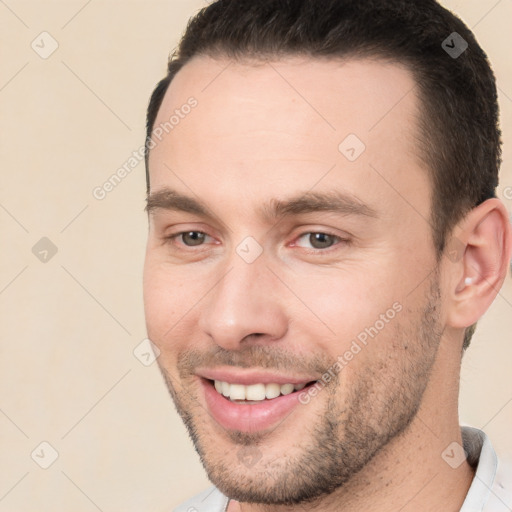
[[69, 326]]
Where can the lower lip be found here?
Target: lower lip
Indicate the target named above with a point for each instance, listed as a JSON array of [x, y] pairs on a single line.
[[248, 417]]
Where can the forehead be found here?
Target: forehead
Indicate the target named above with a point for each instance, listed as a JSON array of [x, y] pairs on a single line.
[[288, 122], [342, 93]]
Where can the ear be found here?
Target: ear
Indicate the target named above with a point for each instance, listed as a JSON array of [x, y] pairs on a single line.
[[483, 244]]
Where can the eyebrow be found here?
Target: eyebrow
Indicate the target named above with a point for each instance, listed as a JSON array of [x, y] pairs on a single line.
[[333, 201]]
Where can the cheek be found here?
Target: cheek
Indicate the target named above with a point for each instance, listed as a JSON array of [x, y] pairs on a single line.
[[345, 303], [165, 300], [173, 304]]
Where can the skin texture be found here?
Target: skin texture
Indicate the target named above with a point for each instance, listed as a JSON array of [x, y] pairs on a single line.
[[372, 438]]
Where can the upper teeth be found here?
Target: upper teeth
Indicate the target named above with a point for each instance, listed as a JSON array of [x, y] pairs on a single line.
[[255, 391]]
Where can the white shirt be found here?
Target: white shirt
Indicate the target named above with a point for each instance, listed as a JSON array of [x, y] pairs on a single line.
[[490, 491]]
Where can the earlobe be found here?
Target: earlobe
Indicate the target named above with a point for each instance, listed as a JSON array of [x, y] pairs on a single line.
[[480, 272]]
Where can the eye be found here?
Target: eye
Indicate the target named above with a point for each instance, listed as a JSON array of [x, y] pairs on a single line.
[[318, 240], [190, 238]]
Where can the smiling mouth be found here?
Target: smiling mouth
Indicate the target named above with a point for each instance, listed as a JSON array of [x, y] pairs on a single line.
[[255, 393]]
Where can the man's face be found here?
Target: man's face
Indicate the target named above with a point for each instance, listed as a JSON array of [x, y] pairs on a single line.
[[271, 288]]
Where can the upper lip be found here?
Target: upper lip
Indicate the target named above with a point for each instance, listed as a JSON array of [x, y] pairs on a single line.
[[247, 377]]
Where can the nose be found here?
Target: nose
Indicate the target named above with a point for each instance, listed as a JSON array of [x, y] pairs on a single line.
[[244, 305]]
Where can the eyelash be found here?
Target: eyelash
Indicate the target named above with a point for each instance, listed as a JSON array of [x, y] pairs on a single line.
[[337, 240]]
